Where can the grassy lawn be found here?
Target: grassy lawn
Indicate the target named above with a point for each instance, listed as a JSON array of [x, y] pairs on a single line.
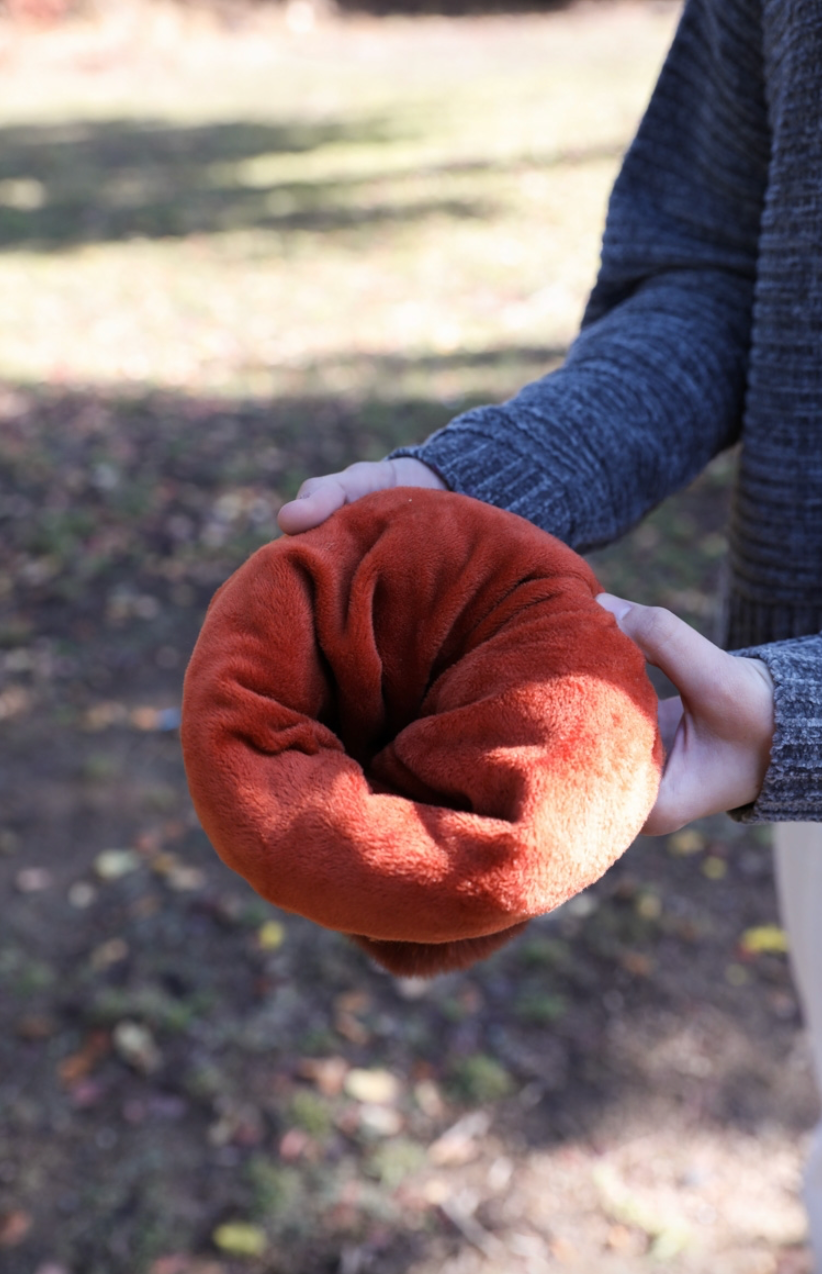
[[267, 214]]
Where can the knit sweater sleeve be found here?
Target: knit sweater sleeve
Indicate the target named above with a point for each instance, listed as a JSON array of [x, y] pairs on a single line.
[[653, 386]]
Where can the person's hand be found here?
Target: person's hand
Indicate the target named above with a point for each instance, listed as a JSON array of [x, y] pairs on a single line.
[[318, 498], [717, 733]]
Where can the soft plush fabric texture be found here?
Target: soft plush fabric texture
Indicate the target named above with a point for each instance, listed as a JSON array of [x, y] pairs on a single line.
[[413, 724], [704, 330]]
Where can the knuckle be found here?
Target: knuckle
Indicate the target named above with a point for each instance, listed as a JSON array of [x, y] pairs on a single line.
[[311, 485], [655, 624]]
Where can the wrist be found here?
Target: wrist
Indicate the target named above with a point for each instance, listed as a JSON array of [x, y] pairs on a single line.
[[762, 721]]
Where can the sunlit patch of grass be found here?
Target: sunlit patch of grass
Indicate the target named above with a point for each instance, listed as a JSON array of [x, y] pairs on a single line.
[[396, 190]]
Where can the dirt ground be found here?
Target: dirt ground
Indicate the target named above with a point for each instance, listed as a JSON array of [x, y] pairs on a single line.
[[194, 1083]]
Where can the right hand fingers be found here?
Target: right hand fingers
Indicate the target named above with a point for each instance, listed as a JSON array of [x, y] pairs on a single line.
[[669, 714], [318, 498]]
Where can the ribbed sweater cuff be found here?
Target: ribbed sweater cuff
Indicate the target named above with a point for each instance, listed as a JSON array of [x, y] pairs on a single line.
[[499, 474], [792, 791]]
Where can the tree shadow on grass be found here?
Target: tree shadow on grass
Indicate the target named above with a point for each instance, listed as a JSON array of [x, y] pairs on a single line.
[[120, 516], [88, 182]]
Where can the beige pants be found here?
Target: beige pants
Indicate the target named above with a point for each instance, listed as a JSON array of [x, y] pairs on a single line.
[[799, 883]]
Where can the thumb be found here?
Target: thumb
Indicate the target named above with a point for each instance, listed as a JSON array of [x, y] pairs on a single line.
[[689, 660]]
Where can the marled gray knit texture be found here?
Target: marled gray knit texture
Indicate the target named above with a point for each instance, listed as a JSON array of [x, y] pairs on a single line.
[[704, 328]]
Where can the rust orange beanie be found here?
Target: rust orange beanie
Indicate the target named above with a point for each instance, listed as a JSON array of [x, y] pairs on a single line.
[[414, 725]]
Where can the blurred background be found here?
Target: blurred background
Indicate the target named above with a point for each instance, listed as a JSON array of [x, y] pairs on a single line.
[[241, 244]]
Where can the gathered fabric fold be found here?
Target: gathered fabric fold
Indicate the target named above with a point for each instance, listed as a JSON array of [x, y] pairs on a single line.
[[414, 725]]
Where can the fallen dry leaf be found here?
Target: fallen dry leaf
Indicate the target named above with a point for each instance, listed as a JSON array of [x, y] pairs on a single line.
[[294, 1144], [564, 1252], [111, 864], [14, 1226], [353, 1002], [764, 939], [351, 1029], [376, 1087], [637, 963], [327, 1073], [461, 1143], [429, 1099], [380, 1121], [136, 1045], [688, 841], [79, 1065], [182, 1264], [238, 1238], [270, 936], [108, 953], [35, 1026], [185, 879]]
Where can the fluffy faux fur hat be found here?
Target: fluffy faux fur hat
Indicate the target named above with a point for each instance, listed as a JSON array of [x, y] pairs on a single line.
[[414, 724]]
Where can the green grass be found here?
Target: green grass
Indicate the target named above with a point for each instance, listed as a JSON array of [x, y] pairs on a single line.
[[387, 210]]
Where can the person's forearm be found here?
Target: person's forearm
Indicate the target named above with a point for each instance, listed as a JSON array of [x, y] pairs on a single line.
[[649, 394], [654, 385]]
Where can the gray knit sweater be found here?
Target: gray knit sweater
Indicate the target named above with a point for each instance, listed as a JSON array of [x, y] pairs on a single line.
[[704, 328]]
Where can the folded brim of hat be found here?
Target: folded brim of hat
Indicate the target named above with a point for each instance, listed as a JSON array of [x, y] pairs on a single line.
[[414, 725]]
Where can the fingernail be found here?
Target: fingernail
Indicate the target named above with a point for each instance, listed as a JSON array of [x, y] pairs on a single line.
[[617, 606]]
